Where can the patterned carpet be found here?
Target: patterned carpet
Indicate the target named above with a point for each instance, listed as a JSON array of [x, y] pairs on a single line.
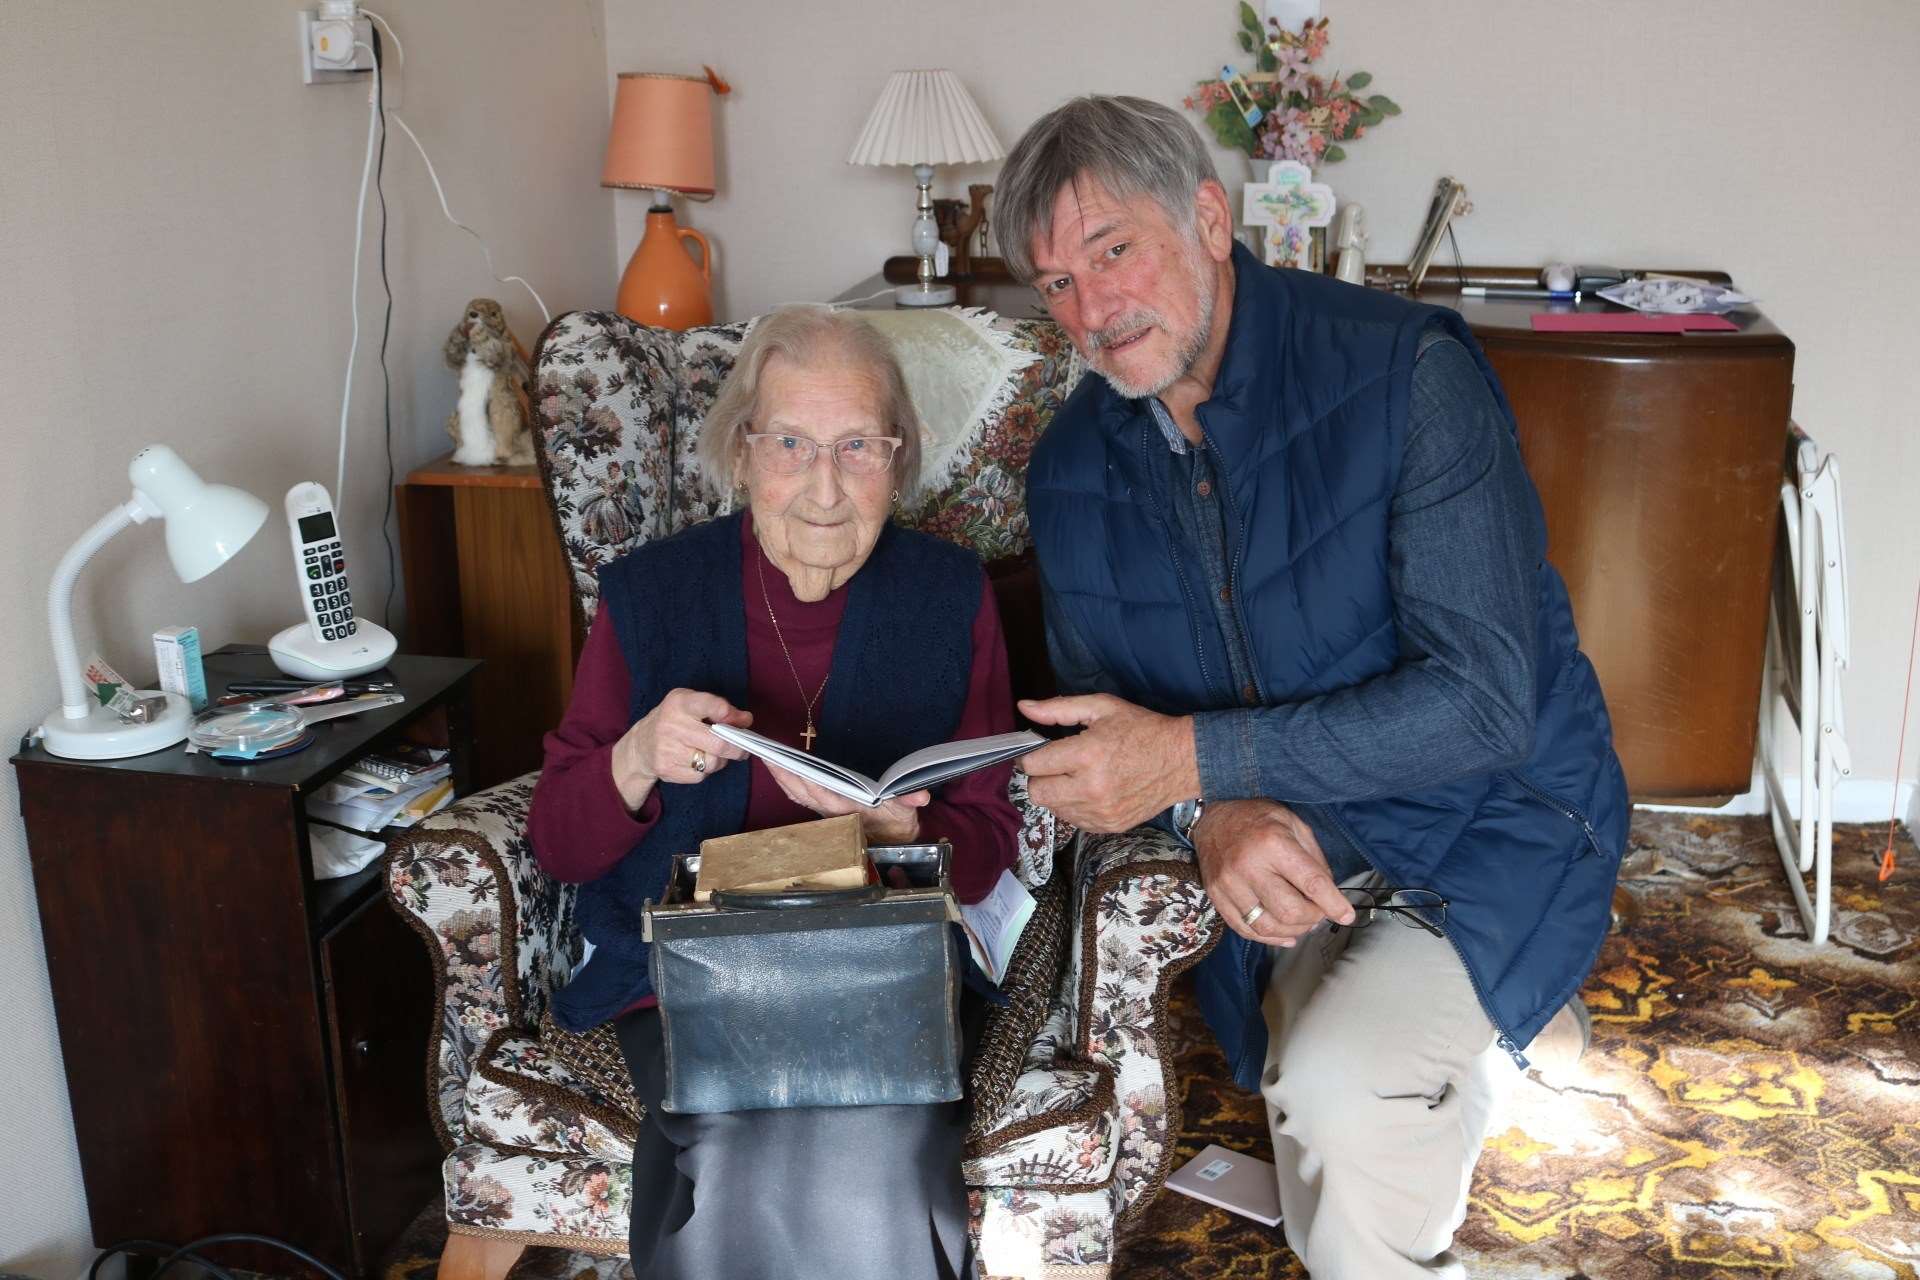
[[1750, 1109]]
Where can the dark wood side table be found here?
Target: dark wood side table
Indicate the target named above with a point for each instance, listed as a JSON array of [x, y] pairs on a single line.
[[242, 1042], [1658, 458], [486, 579]]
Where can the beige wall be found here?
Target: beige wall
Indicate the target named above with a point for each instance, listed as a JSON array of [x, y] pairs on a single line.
[[1639, 132], [176, 227]]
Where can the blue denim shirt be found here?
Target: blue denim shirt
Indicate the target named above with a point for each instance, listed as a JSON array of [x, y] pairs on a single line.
[[1463, 588]]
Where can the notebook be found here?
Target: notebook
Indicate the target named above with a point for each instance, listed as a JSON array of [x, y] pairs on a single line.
[[1239, 1184]]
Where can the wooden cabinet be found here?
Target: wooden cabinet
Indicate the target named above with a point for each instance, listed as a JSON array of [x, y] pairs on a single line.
[[244, 1045], [486, 579], [1658, 460]]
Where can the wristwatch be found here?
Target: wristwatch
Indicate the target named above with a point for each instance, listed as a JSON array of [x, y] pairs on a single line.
[[1186, 816]]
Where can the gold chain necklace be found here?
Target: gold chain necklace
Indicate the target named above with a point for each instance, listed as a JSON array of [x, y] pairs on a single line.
[[806, 738]]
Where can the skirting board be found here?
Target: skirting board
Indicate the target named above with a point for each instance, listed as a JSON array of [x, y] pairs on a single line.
[[1855, 800]]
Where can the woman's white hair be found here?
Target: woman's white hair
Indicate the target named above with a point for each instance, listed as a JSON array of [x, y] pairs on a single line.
[[811, 336]]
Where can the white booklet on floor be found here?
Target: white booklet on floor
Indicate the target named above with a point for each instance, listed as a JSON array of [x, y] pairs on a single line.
[[1239, 1184], [926, 768]]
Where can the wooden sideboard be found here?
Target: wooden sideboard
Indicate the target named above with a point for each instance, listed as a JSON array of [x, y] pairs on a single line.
[[1658, 458]]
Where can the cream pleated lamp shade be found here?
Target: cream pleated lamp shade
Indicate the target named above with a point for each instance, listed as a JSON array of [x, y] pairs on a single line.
[[925, 117]]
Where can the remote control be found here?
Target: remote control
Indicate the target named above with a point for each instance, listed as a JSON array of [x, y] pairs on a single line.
[[320, 566]]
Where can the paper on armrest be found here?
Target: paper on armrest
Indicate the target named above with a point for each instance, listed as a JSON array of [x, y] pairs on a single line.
[[994, 924]]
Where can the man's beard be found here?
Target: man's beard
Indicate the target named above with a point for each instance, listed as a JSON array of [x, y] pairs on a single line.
[[1187, 348]]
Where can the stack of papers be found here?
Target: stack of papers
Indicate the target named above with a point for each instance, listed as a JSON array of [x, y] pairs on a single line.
[[399, 768], [363, 806]]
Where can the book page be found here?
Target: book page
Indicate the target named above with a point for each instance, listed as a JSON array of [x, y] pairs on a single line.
[[857, 787], [933, 765], [994, 924]]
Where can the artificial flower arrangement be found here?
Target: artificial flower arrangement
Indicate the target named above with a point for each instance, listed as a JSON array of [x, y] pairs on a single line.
[[1283, 110]]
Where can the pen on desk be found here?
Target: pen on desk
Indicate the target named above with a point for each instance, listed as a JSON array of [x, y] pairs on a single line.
[[295, 686], [1517, 291], [277, 682]]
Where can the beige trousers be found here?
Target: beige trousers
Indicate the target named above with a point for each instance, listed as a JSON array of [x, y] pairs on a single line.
[[1380, 1085]]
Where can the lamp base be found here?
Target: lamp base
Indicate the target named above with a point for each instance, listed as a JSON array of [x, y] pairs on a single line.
[[933, 295], [662, 287], [299, 655], [102, 735]]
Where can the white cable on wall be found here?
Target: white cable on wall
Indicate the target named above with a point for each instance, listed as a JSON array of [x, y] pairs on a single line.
[[545, 315], [388, 28], [438, 190], [359, 233], [375, 103]]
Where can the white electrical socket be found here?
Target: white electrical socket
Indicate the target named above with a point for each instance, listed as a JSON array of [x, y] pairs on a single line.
[[326, 51]]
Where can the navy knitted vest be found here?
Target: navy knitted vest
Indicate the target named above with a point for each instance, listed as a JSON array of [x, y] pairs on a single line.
[[902, 659], [1308, 421]]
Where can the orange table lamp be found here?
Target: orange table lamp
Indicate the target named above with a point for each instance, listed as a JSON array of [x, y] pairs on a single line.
[[662, 141]]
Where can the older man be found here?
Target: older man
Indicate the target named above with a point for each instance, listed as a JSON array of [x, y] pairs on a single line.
[[1295, 582]]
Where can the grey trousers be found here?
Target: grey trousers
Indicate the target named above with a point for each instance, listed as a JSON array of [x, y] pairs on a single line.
[[840, 1193], [1381, 1080]]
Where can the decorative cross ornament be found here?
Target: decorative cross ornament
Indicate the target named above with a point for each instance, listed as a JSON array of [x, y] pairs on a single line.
[[1286, 206]]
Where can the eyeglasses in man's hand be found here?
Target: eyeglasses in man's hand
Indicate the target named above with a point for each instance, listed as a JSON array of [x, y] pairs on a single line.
[[1415, 908]]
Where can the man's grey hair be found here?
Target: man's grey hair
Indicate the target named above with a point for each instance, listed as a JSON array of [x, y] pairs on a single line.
[[1130, 146], [811, 336]]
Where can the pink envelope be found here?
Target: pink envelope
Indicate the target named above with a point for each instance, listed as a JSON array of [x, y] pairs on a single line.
[[1628, 322]]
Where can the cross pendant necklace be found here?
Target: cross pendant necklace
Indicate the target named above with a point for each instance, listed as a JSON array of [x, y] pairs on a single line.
[[807, 735]]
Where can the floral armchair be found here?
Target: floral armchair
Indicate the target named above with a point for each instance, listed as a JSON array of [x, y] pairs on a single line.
[[1071, 1089]]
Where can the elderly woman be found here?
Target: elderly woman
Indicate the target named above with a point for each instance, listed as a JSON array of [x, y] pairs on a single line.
[[819, 623]]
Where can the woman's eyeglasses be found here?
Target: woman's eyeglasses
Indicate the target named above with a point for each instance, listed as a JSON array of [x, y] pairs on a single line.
[[1415, 908], [784, 455]]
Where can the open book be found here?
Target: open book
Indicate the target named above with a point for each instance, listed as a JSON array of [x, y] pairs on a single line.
[[926, 768]]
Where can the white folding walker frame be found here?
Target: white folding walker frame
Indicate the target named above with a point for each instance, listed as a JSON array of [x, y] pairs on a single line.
[[1801, 689]]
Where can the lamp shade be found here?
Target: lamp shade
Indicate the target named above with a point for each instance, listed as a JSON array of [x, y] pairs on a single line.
[[925, 117], [206, 523], [662, 134]]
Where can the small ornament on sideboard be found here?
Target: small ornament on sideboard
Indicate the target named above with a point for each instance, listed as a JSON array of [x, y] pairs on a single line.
[[1288, 206], [489, 422]]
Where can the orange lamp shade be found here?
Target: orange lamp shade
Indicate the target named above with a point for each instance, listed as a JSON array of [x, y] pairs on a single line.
[[662, 134], [662, 140]]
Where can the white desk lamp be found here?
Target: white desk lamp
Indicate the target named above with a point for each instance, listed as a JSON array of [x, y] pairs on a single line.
[[206, 525], [925, 118]]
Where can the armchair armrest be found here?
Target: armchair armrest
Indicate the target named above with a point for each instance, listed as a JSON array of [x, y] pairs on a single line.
[[499, 931], [1141, 918], [1145, 919]]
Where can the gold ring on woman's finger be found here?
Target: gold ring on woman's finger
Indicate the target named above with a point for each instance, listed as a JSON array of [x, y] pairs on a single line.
[[1253, 913], [699, 762]]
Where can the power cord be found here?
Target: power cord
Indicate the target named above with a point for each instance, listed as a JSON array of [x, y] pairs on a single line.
[[546, 316], [386, 333], [189, 1253], [375, 166], [359, 239]]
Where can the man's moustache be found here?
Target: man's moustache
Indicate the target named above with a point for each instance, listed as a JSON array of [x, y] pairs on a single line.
[[1124, 327]]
